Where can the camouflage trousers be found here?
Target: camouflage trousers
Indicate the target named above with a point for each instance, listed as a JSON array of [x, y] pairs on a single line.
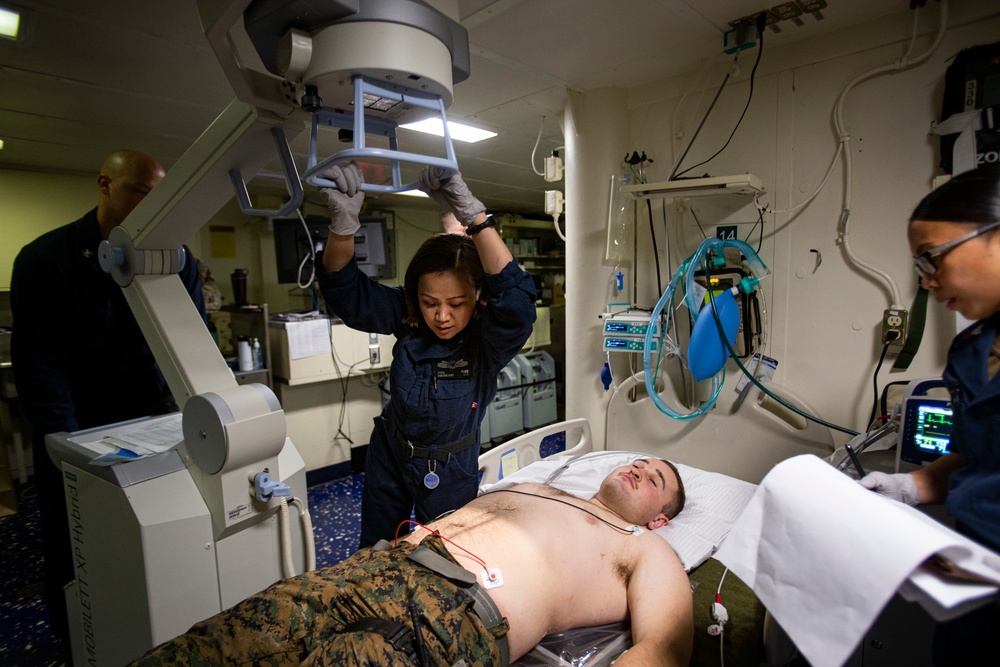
[[303, 620]]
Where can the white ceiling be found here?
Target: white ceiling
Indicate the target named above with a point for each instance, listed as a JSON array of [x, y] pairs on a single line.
[[96, 75]]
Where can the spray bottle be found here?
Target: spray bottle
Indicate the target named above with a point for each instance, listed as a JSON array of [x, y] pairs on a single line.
[[258, 354]]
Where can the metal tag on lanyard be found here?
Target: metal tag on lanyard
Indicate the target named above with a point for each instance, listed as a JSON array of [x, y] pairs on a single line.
[[431, 479]]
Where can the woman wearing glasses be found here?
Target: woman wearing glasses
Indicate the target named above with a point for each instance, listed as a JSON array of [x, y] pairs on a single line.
[[954, 235]]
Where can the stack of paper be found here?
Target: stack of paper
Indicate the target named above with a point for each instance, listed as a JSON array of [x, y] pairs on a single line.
[[825, 555]]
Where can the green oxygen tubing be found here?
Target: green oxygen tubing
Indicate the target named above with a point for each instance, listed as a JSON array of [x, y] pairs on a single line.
[[709, 251]]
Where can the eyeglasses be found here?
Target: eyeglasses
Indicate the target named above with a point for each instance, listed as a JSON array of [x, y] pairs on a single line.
[[924, 263]]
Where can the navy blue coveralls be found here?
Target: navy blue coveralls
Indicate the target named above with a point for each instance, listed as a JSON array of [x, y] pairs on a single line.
[[439, 391], [974, 489], [79, 361]]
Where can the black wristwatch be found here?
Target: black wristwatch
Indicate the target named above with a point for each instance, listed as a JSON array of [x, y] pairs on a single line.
[[472, 230]]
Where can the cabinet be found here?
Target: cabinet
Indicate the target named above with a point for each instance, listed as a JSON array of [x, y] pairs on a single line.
[[228, 324]]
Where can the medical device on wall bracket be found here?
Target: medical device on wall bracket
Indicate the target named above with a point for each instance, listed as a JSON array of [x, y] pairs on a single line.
[[727, 275], [705, 347], [708, 345], [232, 472], [624, 331]]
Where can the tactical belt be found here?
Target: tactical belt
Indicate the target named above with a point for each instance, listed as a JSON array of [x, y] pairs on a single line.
[[440, 453], [399, 636], [403, 639]]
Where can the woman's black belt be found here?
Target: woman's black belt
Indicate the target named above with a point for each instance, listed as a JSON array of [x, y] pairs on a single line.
[[440, 453]]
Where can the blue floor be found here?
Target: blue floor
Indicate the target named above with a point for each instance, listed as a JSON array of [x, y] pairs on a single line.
[[25, 638]]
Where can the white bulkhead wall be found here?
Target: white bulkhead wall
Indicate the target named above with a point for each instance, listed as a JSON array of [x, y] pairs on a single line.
[[824, 317]]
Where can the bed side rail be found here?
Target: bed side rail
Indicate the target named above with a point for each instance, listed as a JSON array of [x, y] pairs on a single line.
[[511, 456]]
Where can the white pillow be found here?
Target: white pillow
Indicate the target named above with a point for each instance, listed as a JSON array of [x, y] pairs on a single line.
[[713, 501]]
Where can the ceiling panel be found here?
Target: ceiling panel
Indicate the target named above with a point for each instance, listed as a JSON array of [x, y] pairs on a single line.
[[97, 75]]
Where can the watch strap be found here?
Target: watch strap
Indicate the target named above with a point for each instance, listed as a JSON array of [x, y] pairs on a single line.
[[472, 230]]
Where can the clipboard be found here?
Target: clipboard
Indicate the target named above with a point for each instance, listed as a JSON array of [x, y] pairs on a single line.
[[954, 572]]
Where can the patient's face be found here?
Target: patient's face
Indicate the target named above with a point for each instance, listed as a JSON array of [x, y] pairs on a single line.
[[639, 491]]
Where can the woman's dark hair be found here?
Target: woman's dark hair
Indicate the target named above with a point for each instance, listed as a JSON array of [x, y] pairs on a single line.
[[439, 253], [971, 197]]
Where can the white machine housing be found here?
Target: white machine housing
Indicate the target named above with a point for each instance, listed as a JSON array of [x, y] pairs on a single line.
[[538, 378], [314, 350], [484, 429], [147, 562], [506, 413], [182, 535]]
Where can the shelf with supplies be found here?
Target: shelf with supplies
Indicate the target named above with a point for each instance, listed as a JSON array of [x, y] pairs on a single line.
[[539, 250], [231, 323]]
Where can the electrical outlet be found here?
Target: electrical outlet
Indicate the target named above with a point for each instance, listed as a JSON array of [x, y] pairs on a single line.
[[894, 321], [553, 202], [740, 38], [553, 169]]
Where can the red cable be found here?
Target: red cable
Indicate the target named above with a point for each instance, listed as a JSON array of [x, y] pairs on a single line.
[[434, 532]]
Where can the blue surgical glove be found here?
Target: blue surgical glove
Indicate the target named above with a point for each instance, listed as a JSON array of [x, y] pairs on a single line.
[[447, 188], [345, 200], [901, 486]]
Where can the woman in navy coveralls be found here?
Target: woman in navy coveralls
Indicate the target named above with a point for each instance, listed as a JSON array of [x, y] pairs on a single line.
[[465, 310], [954, 235]]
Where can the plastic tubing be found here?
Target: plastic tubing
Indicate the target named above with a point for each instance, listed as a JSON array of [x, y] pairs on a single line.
[[307, 529], [650, 380], [686, 272], [287, 568]]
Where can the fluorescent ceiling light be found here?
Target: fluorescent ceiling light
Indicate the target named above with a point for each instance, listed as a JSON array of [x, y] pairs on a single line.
[[413, 193], [10, 20], [458, 131]]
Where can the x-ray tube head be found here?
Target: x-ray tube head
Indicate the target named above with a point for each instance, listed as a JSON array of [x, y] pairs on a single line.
[[403, 45], [383, 52]]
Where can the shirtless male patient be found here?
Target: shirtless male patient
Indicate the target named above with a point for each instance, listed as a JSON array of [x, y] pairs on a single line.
[[560, 563]]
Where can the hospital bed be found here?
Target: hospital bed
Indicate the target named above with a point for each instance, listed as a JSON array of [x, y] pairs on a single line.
[[778, 518], [721, 459], [564, 456]]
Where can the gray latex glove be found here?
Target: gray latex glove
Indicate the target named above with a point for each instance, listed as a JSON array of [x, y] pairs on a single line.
[[447, 188], [345, 200], [900, 486]]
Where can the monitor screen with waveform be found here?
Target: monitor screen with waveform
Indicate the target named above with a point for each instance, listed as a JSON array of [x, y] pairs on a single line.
[[933, 429], [926, 433]]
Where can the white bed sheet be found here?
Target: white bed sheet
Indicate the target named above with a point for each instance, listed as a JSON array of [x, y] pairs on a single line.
[[714, 501]]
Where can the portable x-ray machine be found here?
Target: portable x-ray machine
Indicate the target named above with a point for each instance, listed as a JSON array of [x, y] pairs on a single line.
[[162, 542]]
